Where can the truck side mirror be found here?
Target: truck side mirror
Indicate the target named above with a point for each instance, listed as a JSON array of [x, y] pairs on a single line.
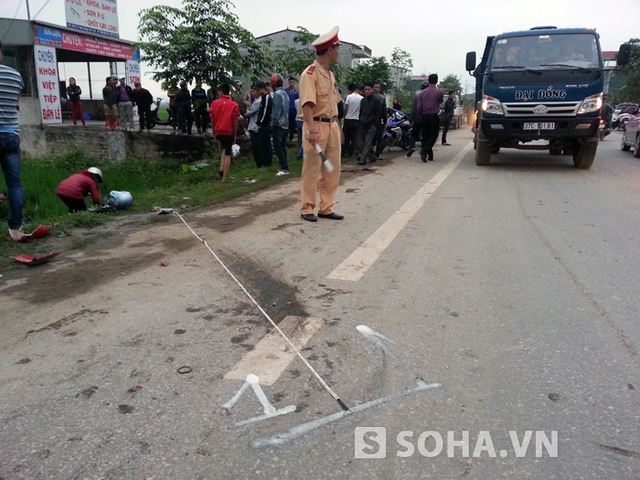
[[624, 54], [471, 61]]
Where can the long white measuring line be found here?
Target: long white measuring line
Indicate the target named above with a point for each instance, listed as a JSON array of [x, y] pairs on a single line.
[[304, 360], [356, 265]]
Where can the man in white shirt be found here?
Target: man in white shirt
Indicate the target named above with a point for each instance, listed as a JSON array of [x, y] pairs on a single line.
[[351, 114]]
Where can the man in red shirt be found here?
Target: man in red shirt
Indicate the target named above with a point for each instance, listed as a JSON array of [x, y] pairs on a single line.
[[73, 189], [224, 121]]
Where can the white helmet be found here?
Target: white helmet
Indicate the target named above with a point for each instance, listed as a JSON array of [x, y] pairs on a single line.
[[235, 149], [96, 171]]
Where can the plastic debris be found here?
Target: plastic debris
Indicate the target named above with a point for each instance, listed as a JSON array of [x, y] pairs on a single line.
[[29, 260], [41, 231]]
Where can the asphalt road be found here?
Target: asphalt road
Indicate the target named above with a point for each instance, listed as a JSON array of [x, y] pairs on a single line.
[[482, 320]]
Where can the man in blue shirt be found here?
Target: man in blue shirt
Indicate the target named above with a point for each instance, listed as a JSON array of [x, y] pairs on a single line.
[[11, 85], [293, 96]]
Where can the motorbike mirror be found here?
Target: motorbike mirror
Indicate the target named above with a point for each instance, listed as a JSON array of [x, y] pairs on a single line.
[[471, 61], [624, 54]]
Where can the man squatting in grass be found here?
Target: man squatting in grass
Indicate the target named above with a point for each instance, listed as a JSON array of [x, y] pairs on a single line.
[[224, 114]]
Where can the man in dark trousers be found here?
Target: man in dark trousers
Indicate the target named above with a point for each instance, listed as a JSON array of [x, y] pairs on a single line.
[[429, 105], [416, 120], [351, 120], [369, 122], [199, 99], [293, 113], [449, 107], [183, 106], [143, 99], [263, 122], [377, 93]]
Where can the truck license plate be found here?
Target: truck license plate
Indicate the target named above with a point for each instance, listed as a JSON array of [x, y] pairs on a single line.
[[539, 125]]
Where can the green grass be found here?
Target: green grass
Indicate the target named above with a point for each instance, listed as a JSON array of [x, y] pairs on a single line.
[[167, 183]]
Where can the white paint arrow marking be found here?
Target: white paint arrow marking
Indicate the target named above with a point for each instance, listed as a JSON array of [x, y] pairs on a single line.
[[269, 410], [303, 429]]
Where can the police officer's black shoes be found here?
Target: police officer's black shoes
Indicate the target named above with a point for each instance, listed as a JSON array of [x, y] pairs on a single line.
[[309, 217], [331, 216]]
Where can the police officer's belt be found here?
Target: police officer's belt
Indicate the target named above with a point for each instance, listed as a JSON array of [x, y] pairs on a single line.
[[323, 119]]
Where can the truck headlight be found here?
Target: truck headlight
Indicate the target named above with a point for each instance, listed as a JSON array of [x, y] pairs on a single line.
[[591, 104], [492, 105]]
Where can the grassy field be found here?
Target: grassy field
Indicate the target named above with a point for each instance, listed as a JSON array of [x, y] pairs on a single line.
[[169, 183]]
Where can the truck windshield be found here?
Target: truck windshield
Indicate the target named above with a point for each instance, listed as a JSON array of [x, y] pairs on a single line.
[[542, 52]]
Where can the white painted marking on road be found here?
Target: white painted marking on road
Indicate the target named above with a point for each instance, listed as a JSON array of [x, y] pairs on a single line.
[[272, 355], [270, 411], [356, 265], [303, 429]]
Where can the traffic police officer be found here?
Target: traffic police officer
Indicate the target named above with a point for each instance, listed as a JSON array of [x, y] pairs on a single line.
[[319, 99]]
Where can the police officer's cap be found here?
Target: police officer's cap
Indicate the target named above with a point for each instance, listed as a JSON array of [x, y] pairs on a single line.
[[328, 40]]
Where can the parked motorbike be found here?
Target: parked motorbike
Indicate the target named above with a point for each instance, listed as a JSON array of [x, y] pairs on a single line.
[[155, 119], [398, 131], [623, 120], [603, 129]]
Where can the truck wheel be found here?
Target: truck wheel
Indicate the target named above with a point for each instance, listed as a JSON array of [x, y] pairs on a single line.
[[555, 151], [623, 145], [583, 155], [636, 147], [483, 151]]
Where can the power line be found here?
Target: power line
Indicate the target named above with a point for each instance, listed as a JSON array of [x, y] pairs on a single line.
[[45, 4], [11, 23]]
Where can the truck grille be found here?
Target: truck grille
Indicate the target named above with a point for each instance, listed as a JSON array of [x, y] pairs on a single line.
[[554, 109]]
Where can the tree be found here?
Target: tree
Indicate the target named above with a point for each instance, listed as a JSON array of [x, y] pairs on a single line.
[[291, 61], [376, 69], [203, 41], [450, 82], [631, 89], [400, 61]]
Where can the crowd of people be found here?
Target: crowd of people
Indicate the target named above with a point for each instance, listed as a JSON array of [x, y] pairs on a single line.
[[326, 126]]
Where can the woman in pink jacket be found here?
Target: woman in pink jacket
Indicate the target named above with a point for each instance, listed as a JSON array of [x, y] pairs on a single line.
[[73, 189]]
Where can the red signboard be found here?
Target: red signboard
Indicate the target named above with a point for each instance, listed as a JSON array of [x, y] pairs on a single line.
[[83, 43]]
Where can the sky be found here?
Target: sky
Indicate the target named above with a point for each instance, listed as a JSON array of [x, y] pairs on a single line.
[[437, 40]]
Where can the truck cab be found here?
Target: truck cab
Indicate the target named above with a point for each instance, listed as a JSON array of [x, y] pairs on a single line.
[[540, 89]]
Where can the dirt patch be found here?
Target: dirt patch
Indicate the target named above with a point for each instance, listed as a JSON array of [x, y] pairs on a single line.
[[79, 271], [251, 212]]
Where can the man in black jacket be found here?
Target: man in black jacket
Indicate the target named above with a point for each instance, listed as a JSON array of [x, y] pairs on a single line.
[[183, 106], [449, 107], [264, 124], [143, 99], [369, 122]]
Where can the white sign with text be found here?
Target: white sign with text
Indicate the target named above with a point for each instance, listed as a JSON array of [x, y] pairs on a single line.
[[48, 90], [95, 16], [132, 72]]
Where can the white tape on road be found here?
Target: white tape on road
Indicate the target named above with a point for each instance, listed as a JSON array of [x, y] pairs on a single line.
[[356, 265], [271, 356]]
